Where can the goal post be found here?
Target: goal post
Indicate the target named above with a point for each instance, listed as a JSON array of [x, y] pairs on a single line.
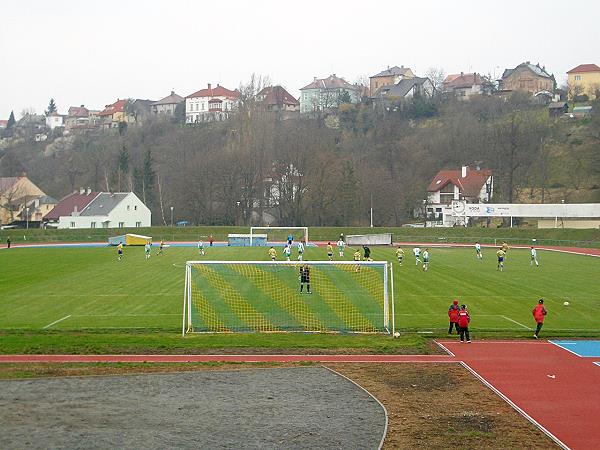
[[287, 296], [303, 229]]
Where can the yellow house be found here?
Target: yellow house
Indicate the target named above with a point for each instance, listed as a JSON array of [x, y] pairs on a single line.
[[584, 79], [15, 195]]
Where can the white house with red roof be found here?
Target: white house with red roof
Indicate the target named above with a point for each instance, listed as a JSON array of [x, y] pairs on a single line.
[[464, 85], [211, 104], [54, 120], [88, 209], [470, 185]]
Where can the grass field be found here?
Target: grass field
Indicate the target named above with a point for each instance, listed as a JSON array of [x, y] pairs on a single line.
[[50, 289]]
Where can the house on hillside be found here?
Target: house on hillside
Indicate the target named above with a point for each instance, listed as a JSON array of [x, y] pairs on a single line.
[[389, 76], [326, 93], [77, 117], [36, 209], [528, 78], [404, 89], [277, 99], [15, 194], [584, 80], [464, 85], [113, 114], [54, 120], [87, 209], [464, 184], [166, 106], [211, 104]]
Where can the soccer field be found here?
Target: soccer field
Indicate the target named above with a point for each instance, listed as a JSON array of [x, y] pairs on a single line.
[[88, 288]]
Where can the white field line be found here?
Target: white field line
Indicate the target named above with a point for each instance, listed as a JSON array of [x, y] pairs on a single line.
[[385, 428], [123, 315], [443, 347], [56, 321], [565, 348], [514, 405], [518, 323]]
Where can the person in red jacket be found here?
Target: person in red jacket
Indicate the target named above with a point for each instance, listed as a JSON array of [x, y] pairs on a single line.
[[463, 323], [453, 315], [539, 313]]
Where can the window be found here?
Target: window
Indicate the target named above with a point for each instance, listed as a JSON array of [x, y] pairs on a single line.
[[121, 224], [135, 207], [72, 224], [93, 225], [128, 207], [138, 224], [105, 224], [577, 77]]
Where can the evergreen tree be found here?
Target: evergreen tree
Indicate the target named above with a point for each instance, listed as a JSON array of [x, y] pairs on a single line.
[[149, 178], [122, 165], [51, 107], [11, 120], [344, 97]]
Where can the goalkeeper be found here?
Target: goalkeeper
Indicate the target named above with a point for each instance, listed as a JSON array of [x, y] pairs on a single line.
[[305, 278]]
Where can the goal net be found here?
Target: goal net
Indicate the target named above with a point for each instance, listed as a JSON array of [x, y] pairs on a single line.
[[265, 296], [281, 233]]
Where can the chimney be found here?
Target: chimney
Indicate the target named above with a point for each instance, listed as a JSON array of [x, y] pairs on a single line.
[[88, 191], [81, 191], [172, 92], [314, 78], [464, 171], [462, 74], [208, 85], [83, 106]]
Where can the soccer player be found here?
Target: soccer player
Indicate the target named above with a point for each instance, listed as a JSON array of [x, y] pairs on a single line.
[[273, 253], [329, 251], [505, 249], [201, 248], [147, 249], [463, 322], [453, 316], [500, 254], [478, 250], [417, 252], [400, 255], [305, 278], [426, 260], [539, 313], [287, 251], [340, 245], [300, 251], [120, 251], [160, 248], [367, 251], [534, 257], [211, 239], [290, 239], [357, 258]]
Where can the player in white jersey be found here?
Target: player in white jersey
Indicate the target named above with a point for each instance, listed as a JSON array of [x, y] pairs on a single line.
[[417, 252], [534, 257], [147, 249], [287, 251], [341, 245], [201, 248], [478, 250], [300, 251]]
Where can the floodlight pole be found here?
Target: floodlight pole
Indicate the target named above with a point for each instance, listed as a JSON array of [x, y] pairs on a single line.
[[27, 216], [171, 217], [371, 210]]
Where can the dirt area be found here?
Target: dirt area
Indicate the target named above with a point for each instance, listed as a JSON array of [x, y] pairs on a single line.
[[294, 407], [434, 406], [441, 406]]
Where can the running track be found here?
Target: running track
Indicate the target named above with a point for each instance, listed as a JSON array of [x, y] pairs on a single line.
[[555, 389]]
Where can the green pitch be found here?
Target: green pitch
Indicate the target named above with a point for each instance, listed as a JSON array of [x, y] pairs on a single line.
[[88, 288]]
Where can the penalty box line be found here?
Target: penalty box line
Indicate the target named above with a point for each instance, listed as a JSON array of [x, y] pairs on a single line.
[[56, 321]]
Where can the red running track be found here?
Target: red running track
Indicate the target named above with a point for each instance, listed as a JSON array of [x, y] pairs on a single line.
[[227, 358], [555, 389]]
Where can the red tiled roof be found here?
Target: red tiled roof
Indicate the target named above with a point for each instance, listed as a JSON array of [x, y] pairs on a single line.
[[463, 80], [118, 106], [78, 111], [584, 68], [331, 82], [469, 185], [277, 95], [219, 91], [4, 122], [67, 204], [451, 77]]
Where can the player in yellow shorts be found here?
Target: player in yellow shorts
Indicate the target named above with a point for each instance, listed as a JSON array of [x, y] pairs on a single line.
[[273, 254]]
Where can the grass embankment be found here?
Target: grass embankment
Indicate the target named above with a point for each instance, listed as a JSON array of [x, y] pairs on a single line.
[[564, 237]]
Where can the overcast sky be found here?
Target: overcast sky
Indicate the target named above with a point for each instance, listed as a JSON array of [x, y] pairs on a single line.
[[86, 52]]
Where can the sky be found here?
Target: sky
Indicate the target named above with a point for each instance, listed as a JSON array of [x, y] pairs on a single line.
[[91, 53]]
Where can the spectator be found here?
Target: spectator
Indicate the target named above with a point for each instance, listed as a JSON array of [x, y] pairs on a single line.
[[539, 313], [453, 315], [463, 322]]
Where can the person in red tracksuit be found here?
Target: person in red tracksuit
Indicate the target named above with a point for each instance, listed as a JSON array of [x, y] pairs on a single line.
[[539, 313], [463, 323], [453, 315]]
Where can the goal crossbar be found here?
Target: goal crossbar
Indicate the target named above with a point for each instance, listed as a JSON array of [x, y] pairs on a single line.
[[350, 296], [304, 230]]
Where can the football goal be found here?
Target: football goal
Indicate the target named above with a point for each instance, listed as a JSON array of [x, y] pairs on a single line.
[[266, 296], [280, 233]]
